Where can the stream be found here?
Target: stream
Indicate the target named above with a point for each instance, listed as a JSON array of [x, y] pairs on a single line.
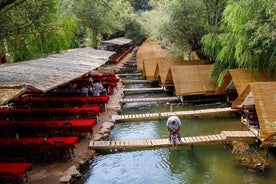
[[208, 164]]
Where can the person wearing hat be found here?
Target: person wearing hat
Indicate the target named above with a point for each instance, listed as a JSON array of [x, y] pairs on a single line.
[[173, 125]]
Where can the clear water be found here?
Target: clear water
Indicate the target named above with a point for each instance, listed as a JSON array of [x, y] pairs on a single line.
[[212, 164]]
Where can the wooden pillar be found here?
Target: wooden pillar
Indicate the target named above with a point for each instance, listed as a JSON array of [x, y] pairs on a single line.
[[171, 107]]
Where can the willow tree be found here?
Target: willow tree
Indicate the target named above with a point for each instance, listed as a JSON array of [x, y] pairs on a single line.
[[102, 17], [181, 24], [247, 40], [30, 29]]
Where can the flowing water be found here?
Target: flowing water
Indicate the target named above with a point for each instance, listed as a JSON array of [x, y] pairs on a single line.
[[212, 164]]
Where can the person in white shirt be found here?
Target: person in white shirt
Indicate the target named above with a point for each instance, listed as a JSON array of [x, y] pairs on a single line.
[[85, 91], [173, 125], [97, 88]]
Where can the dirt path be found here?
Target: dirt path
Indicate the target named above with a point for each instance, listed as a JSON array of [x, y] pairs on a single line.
[[45, 173]]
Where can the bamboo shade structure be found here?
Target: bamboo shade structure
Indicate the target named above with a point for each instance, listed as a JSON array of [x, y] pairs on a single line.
[[117, 41], [262, 97], [241, 78], [265, 100], [245, 100], [192, 80], [8, 94], [150, 68], [45, 74], [164, 68], [149, 49]]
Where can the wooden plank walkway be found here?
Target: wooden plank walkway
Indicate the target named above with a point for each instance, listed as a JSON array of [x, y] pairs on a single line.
[[162, 99], [128, 74], [135, 81], [135, 117], [137, 90], [224, 136]]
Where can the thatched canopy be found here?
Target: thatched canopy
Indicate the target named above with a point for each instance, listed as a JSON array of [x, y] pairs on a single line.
[[263, 96], [245, 100], [7, 94], [241, 78], [117, 41], [164, 68], [150, 68], [265, 100], [149, 49], [192, 80], [45, 74]]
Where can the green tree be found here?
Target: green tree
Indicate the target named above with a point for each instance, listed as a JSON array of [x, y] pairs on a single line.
[[35, 28], [247, 38], [101, 17], [181, 24], [134, 31]]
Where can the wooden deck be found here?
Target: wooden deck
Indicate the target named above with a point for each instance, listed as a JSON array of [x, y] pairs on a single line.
[[159, 99], [137, 90], [224, 136], [135, 81], [135, 117], [128, 74]]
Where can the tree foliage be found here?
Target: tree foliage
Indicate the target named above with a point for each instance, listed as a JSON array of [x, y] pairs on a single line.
[[101, 17], [33, 28], [140, 5], [247, 38], [181, 24]]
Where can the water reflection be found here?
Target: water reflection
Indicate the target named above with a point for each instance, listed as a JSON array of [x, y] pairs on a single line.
[[207, 164], [135, 130], [212, 164]]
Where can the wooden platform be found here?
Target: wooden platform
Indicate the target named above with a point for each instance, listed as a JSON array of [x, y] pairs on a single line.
[[135, 117], [159, 99], [129, 74], [224, 136], [135, 81], [138, 90]]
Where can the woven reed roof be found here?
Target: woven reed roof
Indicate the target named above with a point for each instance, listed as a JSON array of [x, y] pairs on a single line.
[[48, 73], [149, 49], [164, 67], [265, 100], [192, 80], [245, 99], [7, 94], [262, 96], [241, 78], [257, 92], [150, 68], [117, 41]]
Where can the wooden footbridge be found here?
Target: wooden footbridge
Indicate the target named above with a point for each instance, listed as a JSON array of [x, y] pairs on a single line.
[[137, 90], [128, 74], [158, 99], [224, 136], [147, 116], [135, 81]]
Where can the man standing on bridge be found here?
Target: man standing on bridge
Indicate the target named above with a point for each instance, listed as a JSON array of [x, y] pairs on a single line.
[[173, 125]]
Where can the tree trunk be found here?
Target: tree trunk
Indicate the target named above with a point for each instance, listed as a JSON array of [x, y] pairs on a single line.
[[95, 40]]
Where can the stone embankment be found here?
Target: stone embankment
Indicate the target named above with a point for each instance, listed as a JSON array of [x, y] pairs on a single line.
[[72, 174]]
